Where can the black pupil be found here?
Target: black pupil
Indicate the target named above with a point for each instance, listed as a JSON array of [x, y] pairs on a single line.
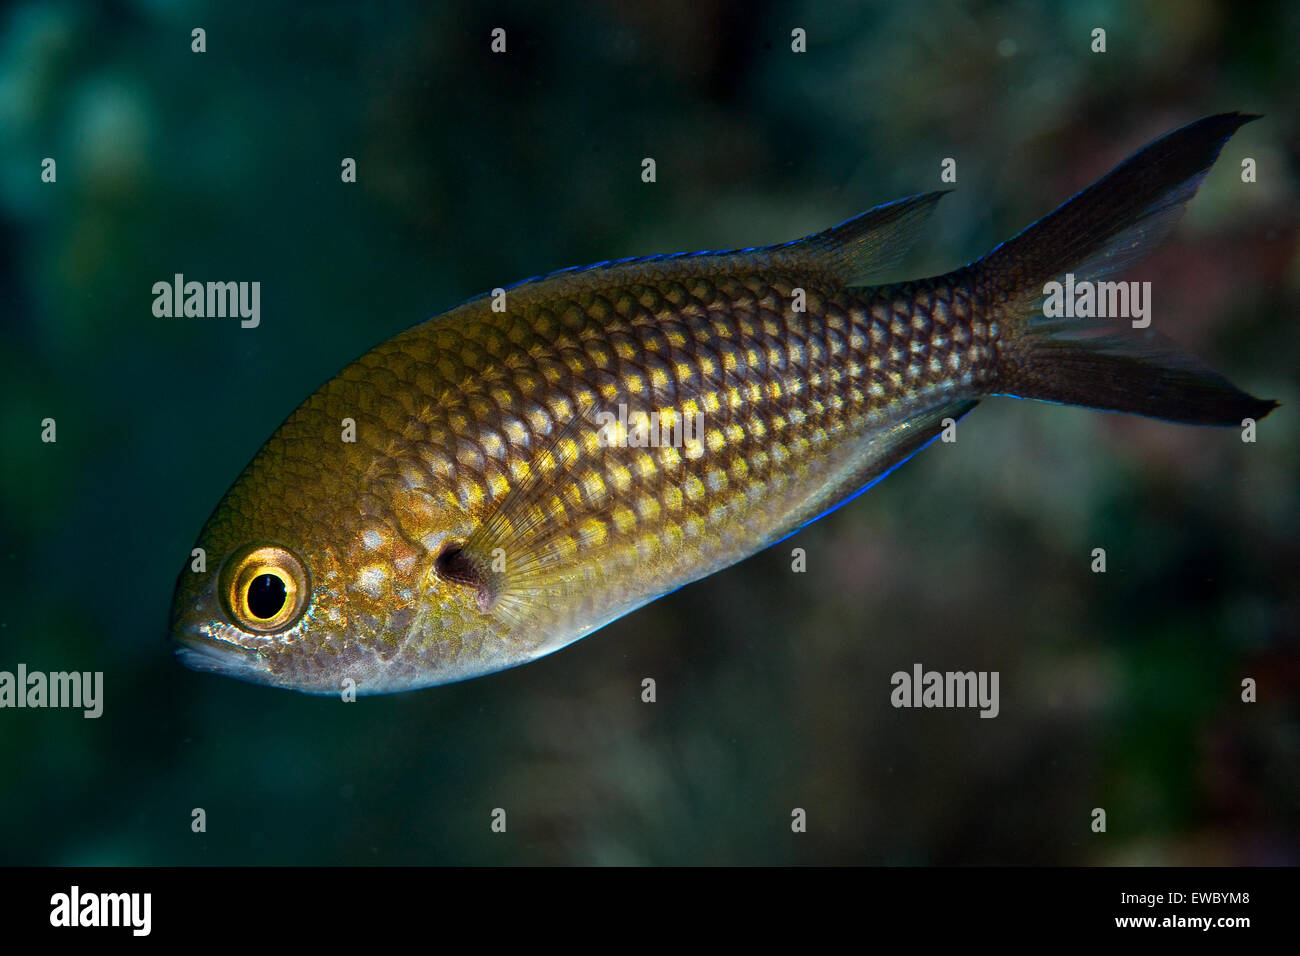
[[266, 596]]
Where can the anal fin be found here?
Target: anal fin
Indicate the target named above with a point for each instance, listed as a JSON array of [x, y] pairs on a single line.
[[886, 450]]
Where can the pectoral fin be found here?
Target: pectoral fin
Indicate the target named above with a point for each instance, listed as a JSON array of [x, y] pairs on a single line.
[[526, 553]]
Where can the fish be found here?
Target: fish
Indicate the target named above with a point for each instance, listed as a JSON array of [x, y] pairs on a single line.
[[508, 477]]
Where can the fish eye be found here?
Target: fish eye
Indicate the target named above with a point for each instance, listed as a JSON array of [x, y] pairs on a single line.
[[264, 588], [266, 596]]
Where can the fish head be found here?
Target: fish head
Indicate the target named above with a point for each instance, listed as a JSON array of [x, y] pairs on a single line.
[[317, 572]]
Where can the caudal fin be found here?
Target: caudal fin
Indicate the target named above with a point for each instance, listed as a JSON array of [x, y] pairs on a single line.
[[1114, 223]]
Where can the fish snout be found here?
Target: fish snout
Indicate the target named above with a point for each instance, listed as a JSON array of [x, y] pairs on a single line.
[[204, 642]]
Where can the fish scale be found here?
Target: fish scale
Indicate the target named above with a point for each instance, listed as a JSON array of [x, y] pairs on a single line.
[[481, 516]]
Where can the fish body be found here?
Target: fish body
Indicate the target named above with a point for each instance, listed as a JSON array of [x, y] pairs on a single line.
[[502, 480]]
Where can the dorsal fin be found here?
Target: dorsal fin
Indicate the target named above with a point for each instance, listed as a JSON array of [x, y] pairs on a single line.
[[869, 244], [856, 252]]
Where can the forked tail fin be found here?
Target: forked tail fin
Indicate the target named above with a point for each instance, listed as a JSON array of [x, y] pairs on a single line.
[[1115, 222]]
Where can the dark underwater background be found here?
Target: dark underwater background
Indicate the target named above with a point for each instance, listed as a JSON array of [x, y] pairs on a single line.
[[1119, 691]]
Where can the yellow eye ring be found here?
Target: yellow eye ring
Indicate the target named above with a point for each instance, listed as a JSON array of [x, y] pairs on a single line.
[[264, 588]]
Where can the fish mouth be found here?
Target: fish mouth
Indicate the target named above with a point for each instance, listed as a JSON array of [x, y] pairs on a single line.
[[199, 652], [198, 641]]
